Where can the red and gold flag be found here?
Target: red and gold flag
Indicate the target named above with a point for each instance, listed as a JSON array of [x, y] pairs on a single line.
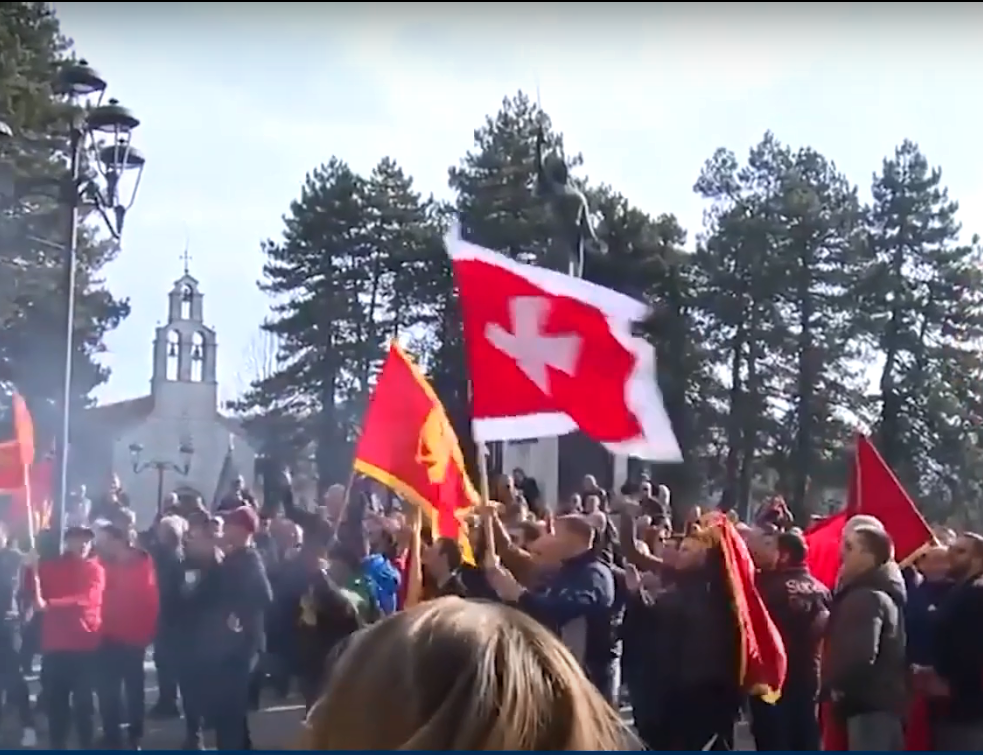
[[409, 446], [762, 662]]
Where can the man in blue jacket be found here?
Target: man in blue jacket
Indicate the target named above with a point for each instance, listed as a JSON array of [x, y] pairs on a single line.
[[577, 602]]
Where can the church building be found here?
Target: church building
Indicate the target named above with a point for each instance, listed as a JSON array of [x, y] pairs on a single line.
[[174, 439]]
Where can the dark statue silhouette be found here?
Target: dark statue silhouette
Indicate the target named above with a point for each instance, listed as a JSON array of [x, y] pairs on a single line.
[[573, 232]]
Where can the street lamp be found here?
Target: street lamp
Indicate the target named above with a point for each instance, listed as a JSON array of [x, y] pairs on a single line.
[[186, 451], [93, 178]]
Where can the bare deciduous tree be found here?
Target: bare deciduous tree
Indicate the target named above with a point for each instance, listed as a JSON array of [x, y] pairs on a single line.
[[259, 362]]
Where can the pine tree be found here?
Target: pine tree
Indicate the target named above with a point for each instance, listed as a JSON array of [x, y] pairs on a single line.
[[316, 273], [821, 255], [737, 287], [781, 252], [923, 309], [32, 226], [344, 278], [407, 273], [494, 184]]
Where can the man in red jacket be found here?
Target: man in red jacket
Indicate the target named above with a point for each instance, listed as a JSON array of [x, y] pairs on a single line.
[[129, 620], [69, 598]]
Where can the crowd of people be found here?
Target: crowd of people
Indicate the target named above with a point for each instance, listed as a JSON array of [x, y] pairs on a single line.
[[530, 639]]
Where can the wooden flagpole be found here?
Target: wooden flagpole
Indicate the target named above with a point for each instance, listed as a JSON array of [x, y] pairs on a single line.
[[491, 557]]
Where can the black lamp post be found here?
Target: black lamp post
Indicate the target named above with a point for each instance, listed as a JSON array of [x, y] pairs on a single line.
[[99, 155], [186, 451]]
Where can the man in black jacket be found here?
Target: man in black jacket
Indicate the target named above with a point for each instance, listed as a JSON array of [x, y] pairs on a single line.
[[237, 628], [199, 589], [577, 602], [311, 614], [12, 681], [958, 673], [863, 669], [165, 549]]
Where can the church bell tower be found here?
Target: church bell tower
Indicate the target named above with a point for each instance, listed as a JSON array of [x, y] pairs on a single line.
[[185, 350]]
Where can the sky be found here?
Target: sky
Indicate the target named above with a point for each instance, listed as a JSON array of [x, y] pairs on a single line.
[[238, 101]]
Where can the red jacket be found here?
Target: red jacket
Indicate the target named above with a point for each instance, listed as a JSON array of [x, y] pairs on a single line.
[[72, 590], [131, 602]]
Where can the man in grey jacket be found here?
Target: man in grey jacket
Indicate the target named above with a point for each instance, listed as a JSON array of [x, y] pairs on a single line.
[[863, 666]]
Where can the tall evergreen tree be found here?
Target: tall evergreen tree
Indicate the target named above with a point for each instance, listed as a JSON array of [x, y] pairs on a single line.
[[33, 225], [923, 310], [315, 274], [782, 248], [820, 253], [339, 297], [736, 298]]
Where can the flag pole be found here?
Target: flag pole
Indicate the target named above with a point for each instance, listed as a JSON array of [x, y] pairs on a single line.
[[485, 491], [29, 507]]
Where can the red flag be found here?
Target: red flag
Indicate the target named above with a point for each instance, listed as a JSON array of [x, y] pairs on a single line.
[[549, 353], [823, 541], [41, 491], [875, 491], [408, 445], [763, 658], [17, 453]]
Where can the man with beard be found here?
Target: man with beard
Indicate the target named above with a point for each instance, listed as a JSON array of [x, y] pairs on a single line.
[[799, 605], [958, 673]]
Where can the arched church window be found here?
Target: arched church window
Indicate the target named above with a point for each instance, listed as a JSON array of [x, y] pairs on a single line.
[[187, 297], [197, 357], [173, 355]]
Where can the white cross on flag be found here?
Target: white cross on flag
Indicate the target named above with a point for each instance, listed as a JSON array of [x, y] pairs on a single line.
[[549, 353]]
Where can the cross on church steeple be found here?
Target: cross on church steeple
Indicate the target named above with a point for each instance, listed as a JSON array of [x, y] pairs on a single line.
[[186, 259]]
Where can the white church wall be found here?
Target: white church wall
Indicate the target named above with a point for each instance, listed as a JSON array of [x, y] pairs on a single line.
[[161, 437], [185, 399], [538, 458]]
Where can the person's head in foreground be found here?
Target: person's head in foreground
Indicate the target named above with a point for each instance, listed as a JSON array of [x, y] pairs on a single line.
[[452, 674]]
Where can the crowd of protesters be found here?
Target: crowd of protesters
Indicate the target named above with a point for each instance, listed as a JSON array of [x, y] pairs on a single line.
[[559, 614]]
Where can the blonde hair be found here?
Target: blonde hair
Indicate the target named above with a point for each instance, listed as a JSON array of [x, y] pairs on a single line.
[[451, 674]]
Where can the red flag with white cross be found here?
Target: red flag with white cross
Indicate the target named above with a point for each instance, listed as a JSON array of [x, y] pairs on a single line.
[[549, 353]]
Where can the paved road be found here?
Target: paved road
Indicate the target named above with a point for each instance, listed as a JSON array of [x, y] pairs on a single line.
[[276, 726]]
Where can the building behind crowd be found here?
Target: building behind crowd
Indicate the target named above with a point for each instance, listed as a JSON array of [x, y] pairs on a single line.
[[180, 410]]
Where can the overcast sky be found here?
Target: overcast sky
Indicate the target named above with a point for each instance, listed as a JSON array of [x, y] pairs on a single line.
[[240, 100]]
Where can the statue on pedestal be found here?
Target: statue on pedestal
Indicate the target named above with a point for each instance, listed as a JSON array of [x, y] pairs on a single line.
[[574, 233]]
